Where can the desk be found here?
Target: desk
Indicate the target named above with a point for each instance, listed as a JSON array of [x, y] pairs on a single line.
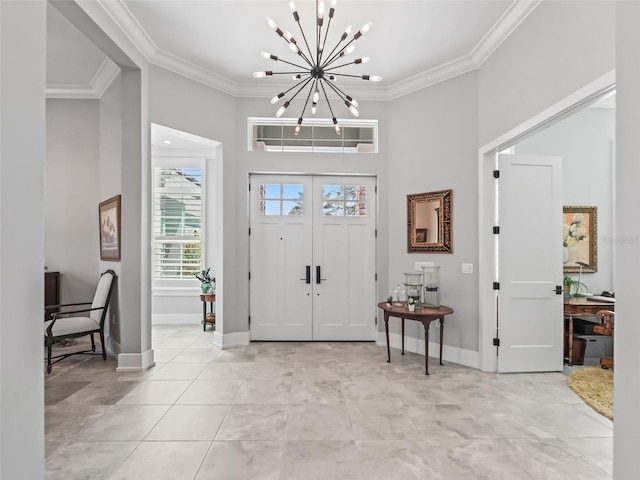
[[208, 318], [575, 306], [424, 315]]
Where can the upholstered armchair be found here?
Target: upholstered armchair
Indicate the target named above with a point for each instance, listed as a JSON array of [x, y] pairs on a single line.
[[73, 321]]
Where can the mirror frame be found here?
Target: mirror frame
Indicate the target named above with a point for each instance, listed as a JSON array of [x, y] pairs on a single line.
[[445, 230]]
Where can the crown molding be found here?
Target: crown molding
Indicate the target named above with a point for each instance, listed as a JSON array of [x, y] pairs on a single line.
[[103, 78], [500, 31], [515, 14]]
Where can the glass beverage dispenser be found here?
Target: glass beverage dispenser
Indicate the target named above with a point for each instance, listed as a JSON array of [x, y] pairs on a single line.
[[431, 287]]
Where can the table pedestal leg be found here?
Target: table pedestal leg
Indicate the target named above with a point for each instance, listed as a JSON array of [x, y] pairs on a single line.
[[426, 347], [386, 329], [402, 353], [441, 335]]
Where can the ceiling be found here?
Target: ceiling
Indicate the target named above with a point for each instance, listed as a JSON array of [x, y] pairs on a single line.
[[412, 44]]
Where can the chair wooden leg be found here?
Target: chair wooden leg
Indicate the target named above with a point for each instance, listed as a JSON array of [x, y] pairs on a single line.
[[104, 350], [49, 345]]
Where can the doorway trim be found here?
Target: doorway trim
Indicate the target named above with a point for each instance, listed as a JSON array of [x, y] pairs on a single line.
[[487, 210]]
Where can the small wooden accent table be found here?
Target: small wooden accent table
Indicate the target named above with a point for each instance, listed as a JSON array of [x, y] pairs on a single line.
[[208, 318], [576, 306], [424, 315]]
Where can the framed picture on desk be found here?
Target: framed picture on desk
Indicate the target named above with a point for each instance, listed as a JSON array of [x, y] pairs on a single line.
[[580, 239]]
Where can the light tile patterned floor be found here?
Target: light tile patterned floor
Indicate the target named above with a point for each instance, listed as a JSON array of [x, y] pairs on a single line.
[[304, 411]]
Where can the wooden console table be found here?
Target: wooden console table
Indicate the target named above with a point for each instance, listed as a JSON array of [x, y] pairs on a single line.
[[424, 315], [576, 306], [208, 318]]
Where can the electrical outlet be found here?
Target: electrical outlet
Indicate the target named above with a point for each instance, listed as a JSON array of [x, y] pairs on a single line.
[[419, 265], [467, 268]]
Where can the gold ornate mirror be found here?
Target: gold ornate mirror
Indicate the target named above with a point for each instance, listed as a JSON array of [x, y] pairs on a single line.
[[429, 222]]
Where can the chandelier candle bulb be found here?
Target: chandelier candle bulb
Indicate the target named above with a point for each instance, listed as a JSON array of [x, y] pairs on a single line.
[[353, 102], [276, 98]]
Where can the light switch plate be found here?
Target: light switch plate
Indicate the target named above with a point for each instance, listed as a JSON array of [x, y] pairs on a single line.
[[467, 268], [419, 265]]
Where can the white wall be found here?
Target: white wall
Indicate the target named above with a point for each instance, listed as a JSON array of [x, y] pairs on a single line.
[[627, 337], [560, 47], [191, 107], [109, 178], [585, 141], [432, 146], [71, 190], [22, 157]]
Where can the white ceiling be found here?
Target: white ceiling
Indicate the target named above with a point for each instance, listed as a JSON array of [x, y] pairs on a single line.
[[412, 44]]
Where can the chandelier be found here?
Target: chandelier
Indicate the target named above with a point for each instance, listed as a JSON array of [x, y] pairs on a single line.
[[317, 72]]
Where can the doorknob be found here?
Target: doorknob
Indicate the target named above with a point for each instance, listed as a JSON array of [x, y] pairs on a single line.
[[318, 275], [307, 278]]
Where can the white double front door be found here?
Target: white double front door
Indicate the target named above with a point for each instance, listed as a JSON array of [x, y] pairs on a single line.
[[312, 258]]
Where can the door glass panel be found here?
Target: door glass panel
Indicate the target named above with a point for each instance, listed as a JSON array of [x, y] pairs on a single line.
[[333, 209], [270, 190], [292, 191], [270, 207], [333, 192], [291, 208]]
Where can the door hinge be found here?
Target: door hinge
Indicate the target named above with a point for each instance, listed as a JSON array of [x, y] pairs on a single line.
[[376, 276], [376, 321], [249, 319], [249, 187], [496, 342], [496, 230], [496, 174], [375, 189], [496, 285], [376, 233], [249, 275], [249, 231]]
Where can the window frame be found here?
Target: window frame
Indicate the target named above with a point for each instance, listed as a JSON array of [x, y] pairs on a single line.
[[167, 284], [312, 122]]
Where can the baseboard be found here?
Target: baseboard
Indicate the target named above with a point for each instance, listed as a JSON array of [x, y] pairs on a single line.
[[113, 347], [176, 318], [135, 362], [230, 340], [457, 355]]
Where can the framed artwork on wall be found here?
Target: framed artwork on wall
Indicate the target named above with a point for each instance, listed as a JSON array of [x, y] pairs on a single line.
[[109, 217], [580, 239]]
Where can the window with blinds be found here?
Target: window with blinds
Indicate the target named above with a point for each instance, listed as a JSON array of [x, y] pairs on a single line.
[[177, 222]]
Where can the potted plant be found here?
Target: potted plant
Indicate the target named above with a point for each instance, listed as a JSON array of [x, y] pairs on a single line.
[[411, 304], [207, 281], [572, 286]]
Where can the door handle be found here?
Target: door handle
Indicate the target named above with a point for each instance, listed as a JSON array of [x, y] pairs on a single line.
[[318, 275], [558, 290], [307, 278]]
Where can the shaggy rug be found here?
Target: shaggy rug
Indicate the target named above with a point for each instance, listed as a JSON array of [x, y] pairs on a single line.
[[594, 385]]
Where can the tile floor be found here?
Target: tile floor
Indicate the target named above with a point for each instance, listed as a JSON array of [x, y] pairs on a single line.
[[304, 411]]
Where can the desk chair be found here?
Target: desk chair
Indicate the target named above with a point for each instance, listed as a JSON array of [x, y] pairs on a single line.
[[605, 328], [77, 322]]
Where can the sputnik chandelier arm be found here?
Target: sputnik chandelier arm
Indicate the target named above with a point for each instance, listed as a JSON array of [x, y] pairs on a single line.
[[318, 71]]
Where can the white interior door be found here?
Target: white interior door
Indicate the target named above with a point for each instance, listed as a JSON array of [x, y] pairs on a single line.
[[530, 318], [280, 254], [312, 257], [344, 252]]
